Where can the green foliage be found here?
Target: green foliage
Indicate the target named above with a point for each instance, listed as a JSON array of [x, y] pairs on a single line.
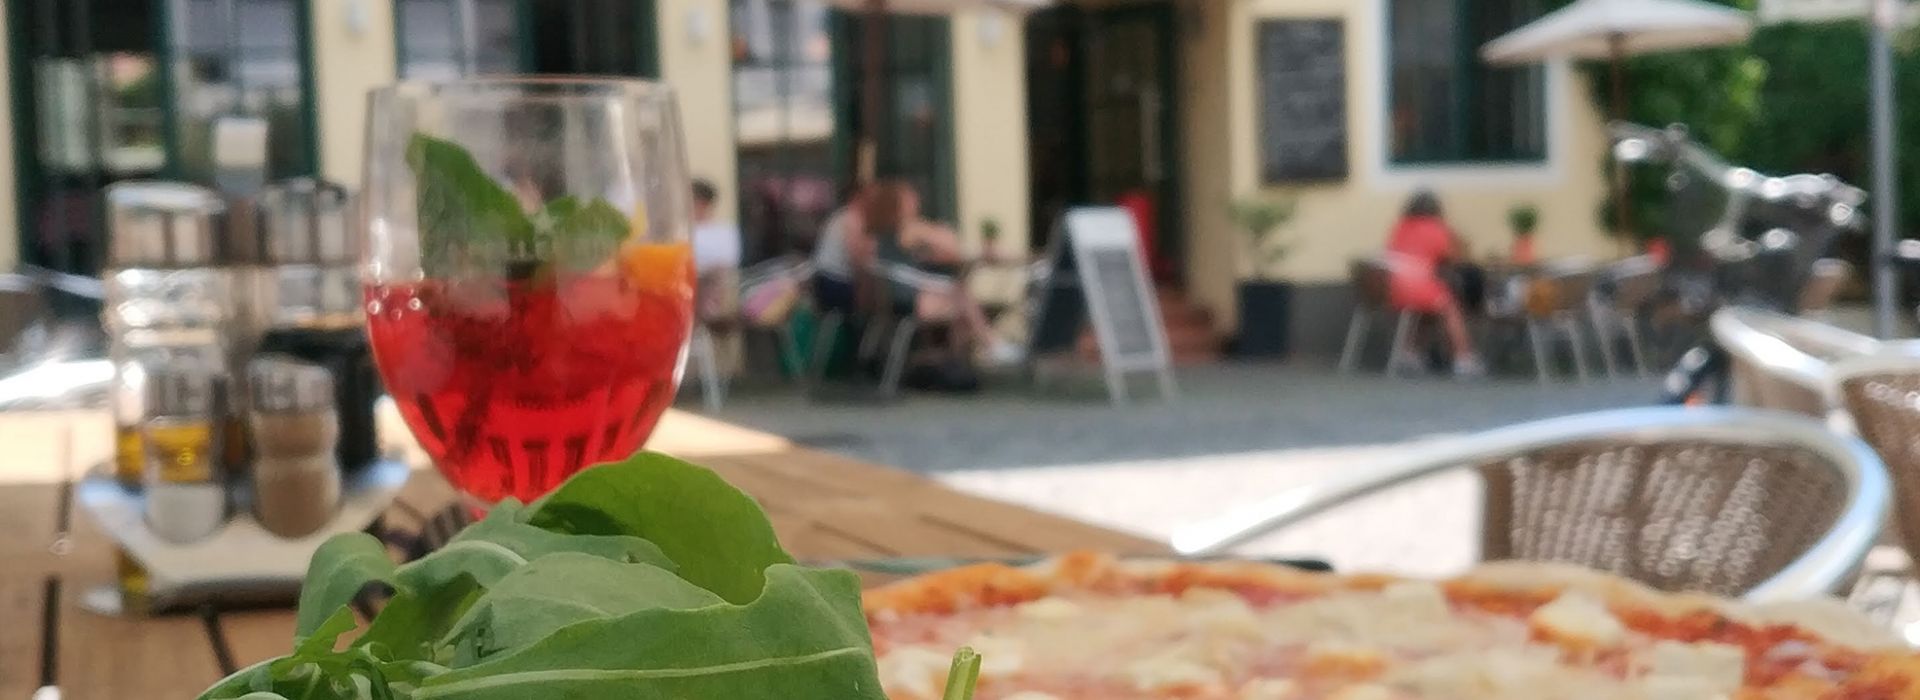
[[1262, 221], [1715, 92], [650, 578], [990, 229]]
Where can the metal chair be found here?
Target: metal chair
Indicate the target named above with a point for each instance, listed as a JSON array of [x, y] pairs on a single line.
[[1555, 301], [1627, 287], [1735, 502], [1768, 371], [1783, 362], [702, 346], [1372, 282]]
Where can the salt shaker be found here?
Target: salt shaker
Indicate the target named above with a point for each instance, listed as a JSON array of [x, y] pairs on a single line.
[[186, 490], [296, 478]]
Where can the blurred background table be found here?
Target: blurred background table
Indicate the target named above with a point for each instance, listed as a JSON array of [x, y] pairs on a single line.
[[825, 508]]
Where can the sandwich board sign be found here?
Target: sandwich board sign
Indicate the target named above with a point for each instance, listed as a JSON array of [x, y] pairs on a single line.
[[1097, 273]]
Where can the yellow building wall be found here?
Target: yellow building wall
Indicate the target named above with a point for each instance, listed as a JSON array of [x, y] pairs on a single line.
[[9, 207], [353, 52], [696, 59], [990, 126], [1337, 222]]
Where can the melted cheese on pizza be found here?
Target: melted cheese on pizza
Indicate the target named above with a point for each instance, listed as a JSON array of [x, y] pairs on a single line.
[[1402, 642]]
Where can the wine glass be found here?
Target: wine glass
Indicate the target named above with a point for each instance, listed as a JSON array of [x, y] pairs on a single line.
[[529, 285]]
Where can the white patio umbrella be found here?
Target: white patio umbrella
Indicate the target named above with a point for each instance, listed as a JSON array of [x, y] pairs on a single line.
[[1614, 30]]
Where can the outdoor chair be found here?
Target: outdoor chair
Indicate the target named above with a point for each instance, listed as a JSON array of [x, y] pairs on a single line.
[[1768, 371], [1784, 362], [1372, 283], [749, 312], [1881, 392], [1554, 304], [1823, 286], [888, 339], [23, 309], [1616, 307], [1727, 501]]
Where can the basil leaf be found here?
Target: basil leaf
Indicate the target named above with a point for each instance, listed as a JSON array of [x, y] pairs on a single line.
[[580, 237], [804, 638], [340, 568], [527, 605], [466, 217], [720, 538]]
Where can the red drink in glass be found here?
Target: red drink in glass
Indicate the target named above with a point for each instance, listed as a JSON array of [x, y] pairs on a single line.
[[514, 385]]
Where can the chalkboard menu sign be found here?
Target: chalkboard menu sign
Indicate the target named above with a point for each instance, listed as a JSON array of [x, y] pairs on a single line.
[[1302, 74]]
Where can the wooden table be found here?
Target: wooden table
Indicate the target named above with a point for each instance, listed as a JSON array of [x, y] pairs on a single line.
[[824, 507]]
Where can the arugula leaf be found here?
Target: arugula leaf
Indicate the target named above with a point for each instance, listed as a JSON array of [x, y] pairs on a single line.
[[651, 578], [464, 213], [720, 538], [526, 605], [340, 568], [804, 639]]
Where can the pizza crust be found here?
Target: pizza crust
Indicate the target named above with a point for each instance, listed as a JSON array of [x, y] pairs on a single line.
[[998, 584]]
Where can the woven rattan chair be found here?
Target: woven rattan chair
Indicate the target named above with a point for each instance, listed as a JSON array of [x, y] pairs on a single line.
[[1784, 362], [1882, 394], [1733, 502]]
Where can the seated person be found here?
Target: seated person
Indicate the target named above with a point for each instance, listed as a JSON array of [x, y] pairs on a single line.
[[1420, 244], [935, 248], [716, 256]]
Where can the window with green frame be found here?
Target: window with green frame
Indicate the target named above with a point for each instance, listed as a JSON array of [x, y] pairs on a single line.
[[919, 133], [243, 57], [446, 39], [1447, 106]]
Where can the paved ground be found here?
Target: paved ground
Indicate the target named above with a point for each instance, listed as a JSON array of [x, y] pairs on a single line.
[[1237, 434]]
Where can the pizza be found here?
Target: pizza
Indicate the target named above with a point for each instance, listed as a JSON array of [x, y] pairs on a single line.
[[1088, 626]]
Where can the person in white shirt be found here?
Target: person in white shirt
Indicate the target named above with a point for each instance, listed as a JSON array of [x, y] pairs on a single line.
[[716, 243]]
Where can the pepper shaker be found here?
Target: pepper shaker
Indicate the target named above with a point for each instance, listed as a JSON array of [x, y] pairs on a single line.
[[296, 478]]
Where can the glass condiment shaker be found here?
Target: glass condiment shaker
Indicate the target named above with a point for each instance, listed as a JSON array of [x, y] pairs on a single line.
[[165, 295], [317, 313], [185, 482], [296, 480]]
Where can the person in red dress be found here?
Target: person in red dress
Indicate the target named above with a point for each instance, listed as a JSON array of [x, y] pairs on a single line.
[[1420, 244]]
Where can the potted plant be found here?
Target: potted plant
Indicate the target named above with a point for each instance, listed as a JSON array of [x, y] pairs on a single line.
[[1266, 300], [1524, 219]]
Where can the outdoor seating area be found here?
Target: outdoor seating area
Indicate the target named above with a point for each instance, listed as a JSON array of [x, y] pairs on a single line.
[[959, 350]]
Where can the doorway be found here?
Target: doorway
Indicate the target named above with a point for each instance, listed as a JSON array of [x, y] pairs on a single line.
[[1102, 109]]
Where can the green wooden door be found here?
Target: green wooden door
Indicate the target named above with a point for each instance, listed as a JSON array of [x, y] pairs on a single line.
[[919, 145]]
